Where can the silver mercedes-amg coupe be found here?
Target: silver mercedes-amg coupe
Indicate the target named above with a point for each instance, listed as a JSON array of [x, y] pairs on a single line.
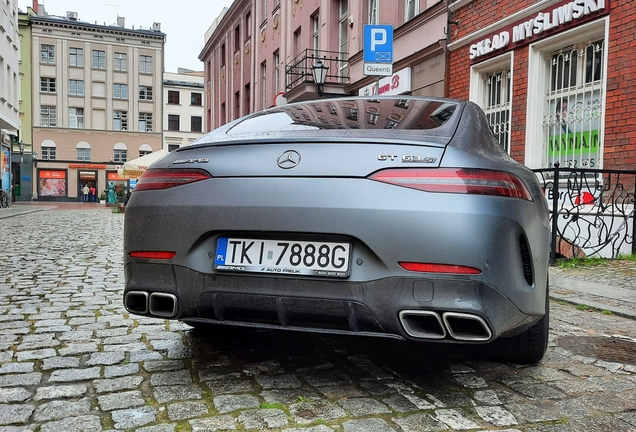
[[398, 217]]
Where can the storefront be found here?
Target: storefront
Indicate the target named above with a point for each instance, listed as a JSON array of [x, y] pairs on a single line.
[[5, 162], [552, 79], [121, 185]]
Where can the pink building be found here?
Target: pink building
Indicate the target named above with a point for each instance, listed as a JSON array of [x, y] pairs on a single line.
[[260, 54]]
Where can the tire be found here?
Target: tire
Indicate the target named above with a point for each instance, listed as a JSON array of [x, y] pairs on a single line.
[[5, 200], [528, 347]]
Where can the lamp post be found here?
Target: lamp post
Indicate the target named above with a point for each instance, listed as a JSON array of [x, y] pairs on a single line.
[[21, 147], [319, 72]]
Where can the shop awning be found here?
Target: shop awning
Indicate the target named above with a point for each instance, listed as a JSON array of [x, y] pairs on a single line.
[[133, 169]]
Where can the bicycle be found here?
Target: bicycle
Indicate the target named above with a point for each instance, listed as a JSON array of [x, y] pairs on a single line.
[[4, 199]]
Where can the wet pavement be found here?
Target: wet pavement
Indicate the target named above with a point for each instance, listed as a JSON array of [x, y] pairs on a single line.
[[71, 357]]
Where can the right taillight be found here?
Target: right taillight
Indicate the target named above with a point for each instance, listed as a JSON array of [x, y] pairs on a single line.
[[164, 178], [457, 180]]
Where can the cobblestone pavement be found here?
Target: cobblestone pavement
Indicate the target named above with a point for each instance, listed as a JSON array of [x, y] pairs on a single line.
[[72, 359]]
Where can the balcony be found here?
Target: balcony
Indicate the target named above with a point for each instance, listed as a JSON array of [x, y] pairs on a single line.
[[299, 81]]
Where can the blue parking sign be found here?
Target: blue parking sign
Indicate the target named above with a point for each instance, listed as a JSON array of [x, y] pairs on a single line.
[[378, 43]]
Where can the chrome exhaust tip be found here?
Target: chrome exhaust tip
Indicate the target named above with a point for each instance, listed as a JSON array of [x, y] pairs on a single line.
[[466, 327], [162, 305], [422, 324], [136, 302]]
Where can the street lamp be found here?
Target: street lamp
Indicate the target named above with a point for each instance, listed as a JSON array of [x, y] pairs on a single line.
[[21, 146], [319, 71]]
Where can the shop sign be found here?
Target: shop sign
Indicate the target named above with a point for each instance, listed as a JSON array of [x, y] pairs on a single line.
[[564, 15], [398, 83], [85, 166], [115, 176]]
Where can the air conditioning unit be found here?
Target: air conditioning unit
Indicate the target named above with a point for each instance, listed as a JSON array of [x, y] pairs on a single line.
[[71, 16]]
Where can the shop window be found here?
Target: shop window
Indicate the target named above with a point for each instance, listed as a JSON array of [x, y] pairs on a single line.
[[490, 88]]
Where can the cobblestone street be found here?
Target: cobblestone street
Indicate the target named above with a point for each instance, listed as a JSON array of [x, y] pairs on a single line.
[[72, 359]]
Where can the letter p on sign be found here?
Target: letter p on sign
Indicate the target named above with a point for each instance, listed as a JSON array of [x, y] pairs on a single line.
[[378, 37]]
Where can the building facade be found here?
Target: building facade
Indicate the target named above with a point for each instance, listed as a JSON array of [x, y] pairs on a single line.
[[9, 89], [183, 109], [97, 102], [261, 54], [554, 77]]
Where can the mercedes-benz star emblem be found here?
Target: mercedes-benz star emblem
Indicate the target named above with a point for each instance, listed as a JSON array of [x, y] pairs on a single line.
[[288, 159]]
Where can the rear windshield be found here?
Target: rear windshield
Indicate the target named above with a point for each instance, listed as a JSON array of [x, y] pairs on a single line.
[[407, 113]]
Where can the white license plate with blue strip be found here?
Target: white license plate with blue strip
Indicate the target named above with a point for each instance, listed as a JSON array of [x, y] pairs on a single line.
[[313, 258]]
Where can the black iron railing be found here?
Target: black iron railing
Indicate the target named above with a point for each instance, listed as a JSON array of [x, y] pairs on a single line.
[[592, 211], [298, 71]]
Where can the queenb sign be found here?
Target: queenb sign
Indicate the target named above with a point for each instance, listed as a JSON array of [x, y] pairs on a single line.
[[562, 16]]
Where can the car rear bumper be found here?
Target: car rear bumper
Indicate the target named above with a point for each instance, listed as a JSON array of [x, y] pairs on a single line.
[[444, 309]]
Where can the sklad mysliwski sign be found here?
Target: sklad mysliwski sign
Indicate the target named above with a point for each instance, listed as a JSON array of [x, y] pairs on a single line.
[[378, 50]]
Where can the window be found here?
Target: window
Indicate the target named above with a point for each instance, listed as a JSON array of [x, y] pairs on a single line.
[[99, 59], [264, 85], [145, 64], [83, 154], [573, 104], [223, 55], [47, 85], [196, 124], [173, 122], [76, 118], [47, 54], [264, 10], [497, 104], [76, 87], [411, 8], [343, 36], [237, 38], [316, 35], [172, 147], [120, 120], [173, 97], [248, 25], [145, 122], [121, 62], [145, 93], [48, 153], [76, 57], [120, 91], [120, 155], [196, 99], [48, 116], [276, 71], [373, 12], [144, 152]]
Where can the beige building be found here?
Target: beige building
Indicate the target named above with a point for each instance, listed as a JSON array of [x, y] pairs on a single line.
[[183, 109], [97, 102]]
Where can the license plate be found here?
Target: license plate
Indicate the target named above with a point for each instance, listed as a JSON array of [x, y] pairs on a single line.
[[314, 258]]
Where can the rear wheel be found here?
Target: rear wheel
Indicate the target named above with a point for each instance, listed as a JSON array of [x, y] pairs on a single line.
[[528, 347], [5, 200]]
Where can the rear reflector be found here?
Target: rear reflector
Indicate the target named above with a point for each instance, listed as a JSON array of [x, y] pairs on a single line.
[[159, 255], [164, 178], [438, 268], [457, 180]]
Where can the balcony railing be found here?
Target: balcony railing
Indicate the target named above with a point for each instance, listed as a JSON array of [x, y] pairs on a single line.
[[298, 71], [591, 211]]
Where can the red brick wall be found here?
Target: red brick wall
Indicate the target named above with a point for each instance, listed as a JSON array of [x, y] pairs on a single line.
[[620, 107]]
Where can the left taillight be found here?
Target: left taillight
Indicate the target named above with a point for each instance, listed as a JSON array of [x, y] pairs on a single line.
[[457, 180], [165, 178]]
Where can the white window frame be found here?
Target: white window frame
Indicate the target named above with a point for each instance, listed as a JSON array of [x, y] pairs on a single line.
[[145, 122], [145, 93], [343, 37], [478, 87], [120, 120], [407, 9], [316, 33], [374, 13], [48, 116], [120, 62], [48, 85], [76, 118], [264, 84], [120, 91], [76, 87], [98, 59], [534, 151], [276, 71], [47, 53], [145, 64], [76, 57]]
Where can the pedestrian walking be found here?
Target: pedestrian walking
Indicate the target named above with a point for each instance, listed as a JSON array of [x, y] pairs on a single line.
[[85, 191], [93, 192]]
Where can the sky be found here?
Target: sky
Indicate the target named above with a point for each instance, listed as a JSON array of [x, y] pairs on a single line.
[[183, 21]]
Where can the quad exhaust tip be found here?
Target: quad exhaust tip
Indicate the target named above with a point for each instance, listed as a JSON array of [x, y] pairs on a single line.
[[157, 304], [424, 324]]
